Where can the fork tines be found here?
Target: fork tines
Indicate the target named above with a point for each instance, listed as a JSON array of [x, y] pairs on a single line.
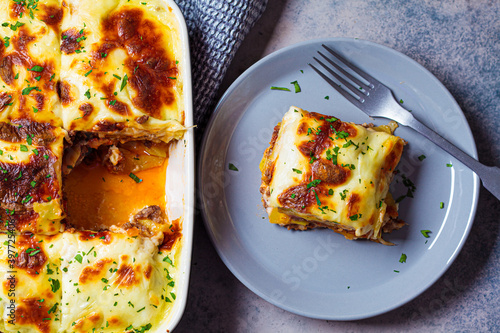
[[350, 87]]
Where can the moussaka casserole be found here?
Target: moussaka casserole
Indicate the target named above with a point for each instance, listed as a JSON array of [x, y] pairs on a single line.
[[92, 106]]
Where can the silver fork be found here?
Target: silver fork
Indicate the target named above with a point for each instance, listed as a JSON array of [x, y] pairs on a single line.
[[376, 100]]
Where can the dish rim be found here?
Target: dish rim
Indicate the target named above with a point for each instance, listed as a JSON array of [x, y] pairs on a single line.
[[184, 269]]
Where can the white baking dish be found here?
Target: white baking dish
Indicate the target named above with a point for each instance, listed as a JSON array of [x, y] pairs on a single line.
[[180, 182]]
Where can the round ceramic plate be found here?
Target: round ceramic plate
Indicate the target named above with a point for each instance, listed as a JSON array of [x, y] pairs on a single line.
[[318, 273]]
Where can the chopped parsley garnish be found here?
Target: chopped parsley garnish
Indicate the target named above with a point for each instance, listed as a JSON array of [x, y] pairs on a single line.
[[232, 167], [55, 284], [14, 27], [349, 143], [332, 157], [53, 309], [79, 258], [26, 91], [355, 216], [293, 195], [88, 73], [296, 86], [322, 209], [135, 178], [7, 42], [297, 171], [403, 258], [425, 233], [410, 186], [23, 148], [314, 183], [449, 165], [167, 259], [79, 39], [342, 135], [350, 166], [280, 88], [87, 93], [441, 205], [343, 194], [36, 69], [327, 97], [421, 157], [124, 82], [330, 192], [317, 199], [34, 252]]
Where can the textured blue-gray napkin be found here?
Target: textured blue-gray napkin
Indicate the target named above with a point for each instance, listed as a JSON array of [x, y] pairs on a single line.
[[216, 30]]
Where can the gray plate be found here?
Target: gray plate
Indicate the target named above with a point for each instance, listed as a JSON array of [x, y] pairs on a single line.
[[318, 273]]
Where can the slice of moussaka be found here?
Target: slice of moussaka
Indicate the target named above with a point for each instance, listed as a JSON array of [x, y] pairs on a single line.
[[30, 61], [322, 172], [84, 282], [120, 74], [30, 177]]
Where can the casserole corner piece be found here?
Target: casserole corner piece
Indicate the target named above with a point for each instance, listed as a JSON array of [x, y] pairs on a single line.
[[121, 68], [322, 172]]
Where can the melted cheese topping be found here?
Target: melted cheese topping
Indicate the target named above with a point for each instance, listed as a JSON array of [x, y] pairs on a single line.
[[120, 69], [324, 170], [77, 282]]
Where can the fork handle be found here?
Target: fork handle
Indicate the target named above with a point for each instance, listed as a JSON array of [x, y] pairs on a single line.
[[489, 175]]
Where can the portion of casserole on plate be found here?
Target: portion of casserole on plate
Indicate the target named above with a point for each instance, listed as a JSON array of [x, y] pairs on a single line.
[[322, 172], [91, 98]]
